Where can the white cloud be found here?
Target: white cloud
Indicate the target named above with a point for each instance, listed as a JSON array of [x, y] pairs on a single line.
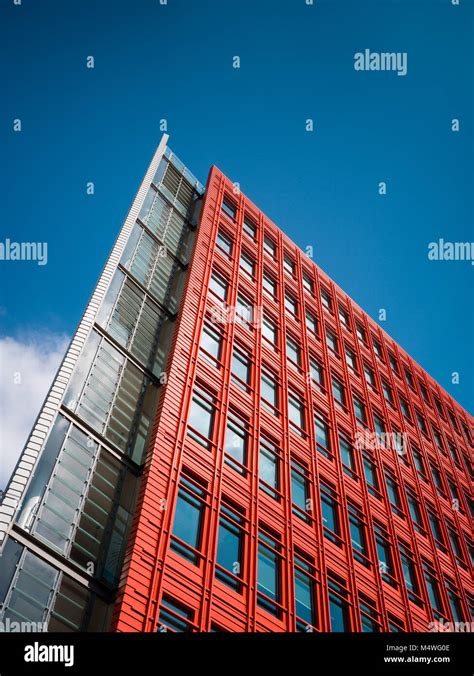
[[27, 368]]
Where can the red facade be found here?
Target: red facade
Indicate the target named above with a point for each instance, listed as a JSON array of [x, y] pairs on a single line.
[[377, 533]]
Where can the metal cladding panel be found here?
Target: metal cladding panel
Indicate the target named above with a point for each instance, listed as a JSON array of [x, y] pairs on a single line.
[[15, 489], [340, 563]]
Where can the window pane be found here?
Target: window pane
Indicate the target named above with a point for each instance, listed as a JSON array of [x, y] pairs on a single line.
[[229, 551], [218, 286], [299, 488], [268, 389], [236, 440], [175, 616], [268, 572], [224, 243], [211, 341], [241, 366], [304, 596], [268, 466], [200, 418], [338, 613]]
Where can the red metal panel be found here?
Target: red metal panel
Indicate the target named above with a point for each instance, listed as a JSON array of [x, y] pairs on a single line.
[[151, 569]]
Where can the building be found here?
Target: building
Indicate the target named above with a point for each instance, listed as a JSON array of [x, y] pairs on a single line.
[[232, 444]]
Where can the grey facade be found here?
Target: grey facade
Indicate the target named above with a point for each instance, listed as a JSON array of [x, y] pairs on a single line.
[[67, 509]]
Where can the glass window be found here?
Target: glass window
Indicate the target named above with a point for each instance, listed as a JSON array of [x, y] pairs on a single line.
[[395, 625], [338, 392], [236, 441], [188, 519], [269, 330], [244, 309], [393, 493], [351, 360], [269, 390], [240, 368], [323, 437], [311, 323], [293, 351], [288, 264], [224, 243], [174, 616], [424, 392], [393, 364], [230, 540], [418, 460], [247, 264], [438, 439], [10, 557], [344, 317], [361, 334], [409, 574], [330, 513], [368, 616], [384, 555], [454, 421], [359, 410], [249, 228], [369, 375], [269, 246], [338, 608], [218, 286], [290, 304], [269, 284], [305, 606], [379, 427], [433, 589], [269, 573], [300, 491], [211, 341], [387, 392], [201, 416], [467, 434], [326, 299], [439, 408], [269, 467], [377, 348], [307, 282], [409, 379], [296, 411], [455, 543], [347, 453], [421, 423], [229, 208], [316, 370], [454, 602], [454, 493], [415, 511], [405, 408], [357, 530], [331, 341], [435, 528], [370, 473], [435, 473], [454, 454]]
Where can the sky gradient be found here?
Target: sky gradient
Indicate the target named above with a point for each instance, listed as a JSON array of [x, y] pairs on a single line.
[[174, 62]]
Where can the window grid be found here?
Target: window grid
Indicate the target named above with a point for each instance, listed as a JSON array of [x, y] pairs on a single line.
[[310, 384]]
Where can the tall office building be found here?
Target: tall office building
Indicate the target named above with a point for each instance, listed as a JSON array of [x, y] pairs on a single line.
[[232, 444]]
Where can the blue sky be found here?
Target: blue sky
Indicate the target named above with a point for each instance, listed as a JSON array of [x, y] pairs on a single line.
[[321, 188]]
